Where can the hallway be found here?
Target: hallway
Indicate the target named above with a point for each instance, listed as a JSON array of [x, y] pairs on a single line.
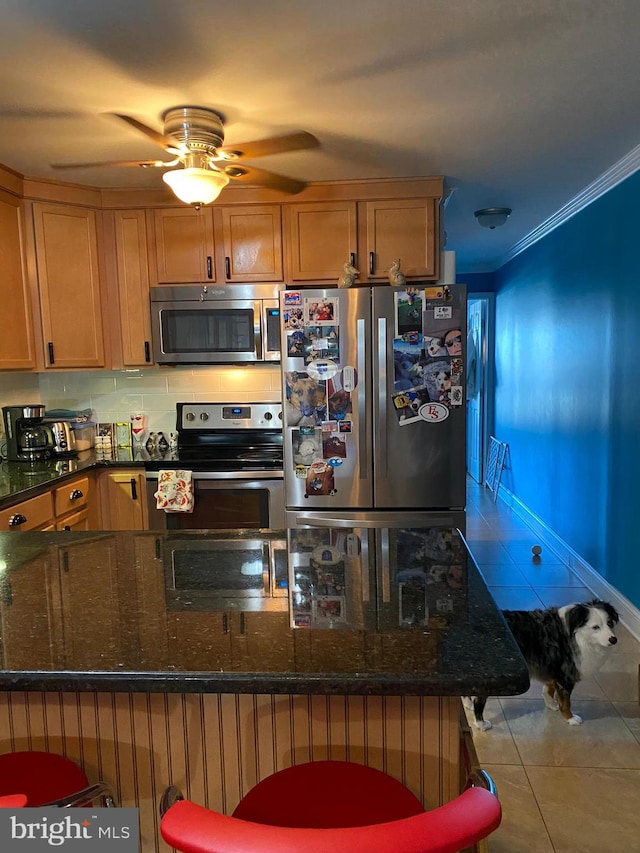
[[564, 789]]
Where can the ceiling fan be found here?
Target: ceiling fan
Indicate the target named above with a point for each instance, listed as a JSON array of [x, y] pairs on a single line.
[[194, 137]]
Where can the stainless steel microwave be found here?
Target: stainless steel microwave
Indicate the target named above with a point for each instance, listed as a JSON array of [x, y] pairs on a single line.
[[200, 324]]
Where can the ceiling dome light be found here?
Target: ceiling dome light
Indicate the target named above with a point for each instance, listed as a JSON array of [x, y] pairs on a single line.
[[492, 217], [196, 186]]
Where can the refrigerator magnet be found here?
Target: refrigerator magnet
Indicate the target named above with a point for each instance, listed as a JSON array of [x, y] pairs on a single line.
[[321, 342], [408, 312], [344, 426], [433, 413], [322, 368], [306, 448], [320, 480], [334, 444], [349, 378], [301, 472], [306, 400], [292, 297], [295, 343], [320, 311], [456, 395], [292, 318]]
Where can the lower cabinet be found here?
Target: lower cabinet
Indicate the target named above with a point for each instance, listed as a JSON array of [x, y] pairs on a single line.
[[123, 499]]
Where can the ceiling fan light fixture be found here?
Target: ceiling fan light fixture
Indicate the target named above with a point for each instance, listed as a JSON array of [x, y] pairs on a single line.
[[492, 217], [196, 186]]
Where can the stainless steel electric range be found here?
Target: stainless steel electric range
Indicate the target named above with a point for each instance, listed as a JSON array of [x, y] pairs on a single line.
[[234, 454]]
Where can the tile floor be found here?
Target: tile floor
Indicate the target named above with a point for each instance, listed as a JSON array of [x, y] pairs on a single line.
[[564, 789]]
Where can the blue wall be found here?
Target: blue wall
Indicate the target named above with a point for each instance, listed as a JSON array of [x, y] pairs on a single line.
[[477, 282], [567, 397]]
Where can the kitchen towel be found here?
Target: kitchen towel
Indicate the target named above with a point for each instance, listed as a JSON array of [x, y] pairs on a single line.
[[175, 491]]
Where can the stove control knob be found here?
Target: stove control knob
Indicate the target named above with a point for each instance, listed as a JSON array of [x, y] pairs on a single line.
[[279, 416], [268, 416], [190, 416], [204, 416]]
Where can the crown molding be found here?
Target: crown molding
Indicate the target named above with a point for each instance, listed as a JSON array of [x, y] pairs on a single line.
[[617, 173]]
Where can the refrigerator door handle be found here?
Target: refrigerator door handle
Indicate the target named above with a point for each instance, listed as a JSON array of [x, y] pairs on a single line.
[[381, 455], [362, 410], [385, 569]]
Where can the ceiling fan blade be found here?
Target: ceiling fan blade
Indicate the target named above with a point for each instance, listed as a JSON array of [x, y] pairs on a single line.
[[145, 164], [166, 142], [262, 147], [251, 175]]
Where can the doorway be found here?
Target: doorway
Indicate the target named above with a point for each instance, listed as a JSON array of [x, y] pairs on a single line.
[[480, 344]]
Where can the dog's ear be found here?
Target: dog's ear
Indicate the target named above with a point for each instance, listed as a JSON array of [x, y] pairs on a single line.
[[577, 616], [611, 612]]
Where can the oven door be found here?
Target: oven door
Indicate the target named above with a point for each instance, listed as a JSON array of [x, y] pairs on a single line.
[[224, 501], [239, 574]]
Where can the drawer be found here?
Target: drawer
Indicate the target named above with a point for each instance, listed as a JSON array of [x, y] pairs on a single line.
[[37, 512], [73, 495]]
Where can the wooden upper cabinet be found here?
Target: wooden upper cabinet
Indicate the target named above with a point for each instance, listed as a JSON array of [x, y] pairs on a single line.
[[184, 246], [69, 285], [133, 286], [405, 229], [252, 242], [323, 236], [16, 340]]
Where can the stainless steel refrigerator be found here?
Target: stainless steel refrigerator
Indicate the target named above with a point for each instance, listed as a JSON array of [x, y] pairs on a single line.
[[374, 403]]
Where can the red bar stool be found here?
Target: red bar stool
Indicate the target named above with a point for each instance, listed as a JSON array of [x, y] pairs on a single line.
[[13, 801], [47, 779], [332, 807]]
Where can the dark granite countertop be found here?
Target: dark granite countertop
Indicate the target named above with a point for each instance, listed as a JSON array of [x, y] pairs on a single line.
[[299, 611], [20, 481]]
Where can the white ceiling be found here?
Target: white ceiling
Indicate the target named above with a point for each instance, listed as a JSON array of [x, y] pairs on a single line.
[[519, 103]]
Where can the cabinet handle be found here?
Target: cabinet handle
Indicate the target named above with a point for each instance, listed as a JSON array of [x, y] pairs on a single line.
[[147, 352], [17, 519], [209, 267], [50, 348], [67, 527], [225, 623], [372, 263], [75, 495], [227, 268], [134, 491], [352, 259]]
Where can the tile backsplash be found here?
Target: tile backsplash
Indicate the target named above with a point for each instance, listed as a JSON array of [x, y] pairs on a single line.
[[115, 395]]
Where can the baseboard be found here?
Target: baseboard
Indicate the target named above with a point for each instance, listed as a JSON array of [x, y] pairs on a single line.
[[601, 588]]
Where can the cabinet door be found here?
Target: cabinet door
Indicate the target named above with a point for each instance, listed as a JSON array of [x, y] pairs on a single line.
[[252, 242], [123, 495], [133, 286], [69, 283], [404, 229], [323, 237], [74, 521], [29, 619], [16, 340], [90, 606], [184, 248]]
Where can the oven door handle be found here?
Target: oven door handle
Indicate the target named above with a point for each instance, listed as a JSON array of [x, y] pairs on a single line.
[[228, 475]]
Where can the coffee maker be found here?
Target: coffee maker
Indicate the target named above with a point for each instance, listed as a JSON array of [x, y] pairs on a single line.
[[28, 439]]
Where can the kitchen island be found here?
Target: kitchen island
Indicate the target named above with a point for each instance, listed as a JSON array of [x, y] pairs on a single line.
[[209, 660]]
